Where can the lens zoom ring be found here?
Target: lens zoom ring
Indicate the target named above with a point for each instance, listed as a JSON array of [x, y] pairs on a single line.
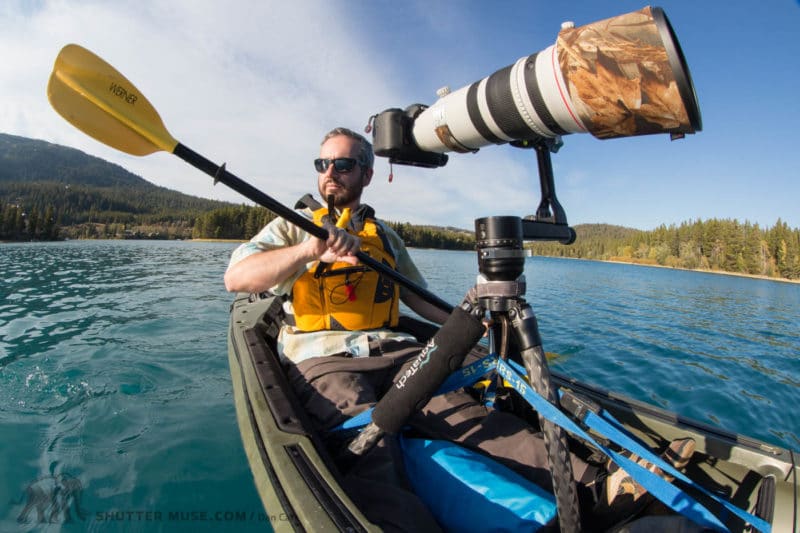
[[502, 107], [532, 84], [475, 116]]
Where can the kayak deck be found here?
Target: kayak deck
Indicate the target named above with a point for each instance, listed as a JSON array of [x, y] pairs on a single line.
[[296, 485]]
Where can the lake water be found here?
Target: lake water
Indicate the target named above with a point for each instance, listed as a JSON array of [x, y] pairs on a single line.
[[113, 368]]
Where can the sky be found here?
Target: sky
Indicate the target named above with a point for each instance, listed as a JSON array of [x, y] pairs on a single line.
[[257, 84]]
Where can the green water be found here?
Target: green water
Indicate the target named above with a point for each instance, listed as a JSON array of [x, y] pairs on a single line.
[[113, 369]]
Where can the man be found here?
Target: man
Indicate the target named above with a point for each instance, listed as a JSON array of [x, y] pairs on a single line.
[[343, 316], [289, 252]]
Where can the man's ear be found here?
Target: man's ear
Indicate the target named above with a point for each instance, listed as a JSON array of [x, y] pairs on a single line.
[[367, 176]]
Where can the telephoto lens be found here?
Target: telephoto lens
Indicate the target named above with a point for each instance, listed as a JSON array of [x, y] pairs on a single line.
[[619, 77]]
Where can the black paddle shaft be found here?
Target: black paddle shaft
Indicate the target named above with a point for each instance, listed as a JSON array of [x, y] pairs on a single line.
[[220, 174]]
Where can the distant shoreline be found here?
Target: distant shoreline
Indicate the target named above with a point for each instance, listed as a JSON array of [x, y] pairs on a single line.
[[705, 271], [722, 272]]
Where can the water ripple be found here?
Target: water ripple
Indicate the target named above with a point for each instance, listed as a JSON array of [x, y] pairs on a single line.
[[102, 375]]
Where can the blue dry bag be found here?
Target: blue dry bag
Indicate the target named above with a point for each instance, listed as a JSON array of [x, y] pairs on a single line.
[[467, 491]]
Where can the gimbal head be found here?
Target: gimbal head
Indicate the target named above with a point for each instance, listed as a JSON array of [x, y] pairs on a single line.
[[499, 239]]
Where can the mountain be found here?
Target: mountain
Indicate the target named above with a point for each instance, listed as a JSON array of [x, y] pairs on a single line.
[[27, 160], [79, 188], [85, 195]]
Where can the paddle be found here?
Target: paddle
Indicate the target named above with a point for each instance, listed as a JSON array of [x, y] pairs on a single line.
[[95, 98]]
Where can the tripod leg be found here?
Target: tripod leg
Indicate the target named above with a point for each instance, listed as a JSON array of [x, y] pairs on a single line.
[[524, 324]]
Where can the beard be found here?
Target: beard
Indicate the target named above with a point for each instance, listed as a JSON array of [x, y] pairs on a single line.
[[343, 195]]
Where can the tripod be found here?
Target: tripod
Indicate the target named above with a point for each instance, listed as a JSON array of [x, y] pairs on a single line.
[[500, 291]]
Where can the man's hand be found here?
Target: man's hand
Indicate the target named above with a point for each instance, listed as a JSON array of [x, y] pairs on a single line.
[[340, 246]]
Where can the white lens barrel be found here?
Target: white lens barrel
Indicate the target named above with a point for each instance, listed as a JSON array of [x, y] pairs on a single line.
[[619, 77], [526, 100], [554, 94]]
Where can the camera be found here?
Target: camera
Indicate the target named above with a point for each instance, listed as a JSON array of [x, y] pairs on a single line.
[[393, 138], [618, 77]]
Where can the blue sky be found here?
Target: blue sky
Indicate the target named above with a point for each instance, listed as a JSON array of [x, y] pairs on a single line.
[[257, 84]]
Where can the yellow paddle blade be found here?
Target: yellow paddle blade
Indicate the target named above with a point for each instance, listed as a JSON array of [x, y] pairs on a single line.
[[95, 98]]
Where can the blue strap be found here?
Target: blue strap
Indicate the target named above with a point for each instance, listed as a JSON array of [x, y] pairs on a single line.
[[669, 494], [360, 420], [606, 425], [467, 375]]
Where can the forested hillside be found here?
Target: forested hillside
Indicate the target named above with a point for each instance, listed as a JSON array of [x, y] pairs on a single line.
[[725, 245], [241, 222], [47, 191]]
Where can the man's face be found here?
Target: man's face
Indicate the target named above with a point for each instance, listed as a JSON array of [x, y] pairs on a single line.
[[346, 187]]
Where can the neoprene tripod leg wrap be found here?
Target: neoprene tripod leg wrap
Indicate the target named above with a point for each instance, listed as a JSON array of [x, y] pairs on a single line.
[[443, 354]]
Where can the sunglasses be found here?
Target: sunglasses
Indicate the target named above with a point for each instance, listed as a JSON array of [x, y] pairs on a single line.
[[341, 165]]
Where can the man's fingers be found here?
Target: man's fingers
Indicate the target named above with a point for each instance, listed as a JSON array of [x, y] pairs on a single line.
[[351, 259], [341, 243], [336, 236]]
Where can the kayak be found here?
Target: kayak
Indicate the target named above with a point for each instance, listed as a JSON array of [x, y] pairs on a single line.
[[299, 484]]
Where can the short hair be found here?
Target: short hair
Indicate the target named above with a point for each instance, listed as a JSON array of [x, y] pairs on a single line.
[[365, 156]]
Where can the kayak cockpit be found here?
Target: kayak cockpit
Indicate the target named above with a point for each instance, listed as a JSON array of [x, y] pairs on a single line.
[[300, 483]]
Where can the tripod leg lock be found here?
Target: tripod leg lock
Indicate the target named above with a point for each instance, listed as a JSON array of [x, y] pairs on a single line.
[[471, 304]]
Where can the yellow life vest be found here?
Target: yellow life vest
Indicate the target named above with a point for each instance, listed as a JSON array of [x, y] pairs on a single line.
[[341, 296]]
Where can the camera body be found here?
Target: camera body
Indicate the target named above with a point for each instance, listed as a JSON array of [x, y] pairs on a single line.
[[393, 137]]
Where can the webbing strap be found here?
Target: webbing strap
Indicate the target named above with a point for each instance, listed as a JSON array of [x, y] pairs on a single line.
[[360, 420], [666, 492], [605, 424]]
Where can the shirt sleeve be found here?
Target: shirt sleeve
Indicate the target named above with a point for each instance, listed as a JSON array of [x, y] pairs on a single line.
[[279, 233]]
